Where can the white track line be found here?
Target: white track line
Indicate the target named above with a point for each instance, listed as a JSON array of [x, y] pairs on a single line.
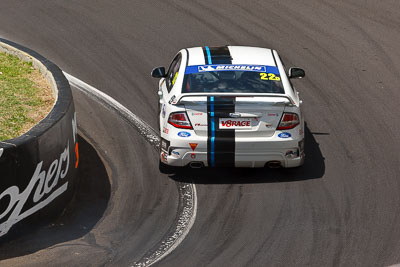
[[187, 191], [144, 129]]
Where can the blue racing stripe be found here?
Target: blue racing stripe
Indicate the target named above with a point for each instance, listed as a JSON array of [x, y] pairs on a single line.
[[208, 55], [212, 131]]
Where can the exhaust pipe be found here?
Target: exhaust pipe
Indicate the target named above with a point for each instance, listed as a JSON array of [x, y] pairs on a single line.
[[273, 164], [196, 164]]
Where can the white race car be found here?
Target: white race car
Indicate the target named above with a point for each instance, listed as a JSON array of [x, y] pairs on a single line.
[[231, 106]]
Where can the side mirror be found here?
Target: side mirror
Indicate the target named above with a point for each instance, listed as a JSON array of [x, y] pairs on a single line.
[[158, 72], [296, 73]]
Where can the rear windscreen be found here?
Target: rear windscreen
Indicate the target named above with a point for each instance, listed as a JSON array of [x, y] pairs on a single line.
[[232, 79]]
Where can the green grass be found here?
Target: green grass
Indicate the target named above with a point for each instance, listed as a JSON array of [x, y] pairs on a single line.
[[22, 103]]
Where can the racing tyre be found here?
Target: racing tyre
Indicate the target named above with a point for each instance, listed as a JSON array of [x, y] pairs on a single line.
[[166, 169]]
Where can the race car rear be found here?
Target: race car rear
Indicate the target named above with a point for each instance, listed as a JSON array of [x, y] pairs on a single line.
[[230, 107], [234, 131]]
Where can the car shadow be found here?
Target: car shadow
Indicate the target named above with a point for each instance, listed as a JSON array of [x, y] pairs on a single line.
[[313, 168], [81, 215]]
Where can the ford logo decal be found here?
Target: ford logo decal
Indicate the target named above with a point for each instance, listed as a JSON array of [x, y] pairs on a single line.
[[284, 135], [184, 134]]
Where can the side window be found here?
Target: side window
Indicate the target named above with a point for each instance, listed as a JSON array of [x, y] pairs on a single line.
[[173, 71]]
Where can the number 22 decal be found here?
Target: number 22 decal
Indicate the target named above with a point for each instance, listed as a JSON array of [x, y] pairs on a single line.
[[269, 76]]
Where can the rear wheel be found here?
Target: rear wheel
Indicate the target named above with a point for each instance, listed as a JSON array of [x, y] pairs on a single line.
[[166, 169]]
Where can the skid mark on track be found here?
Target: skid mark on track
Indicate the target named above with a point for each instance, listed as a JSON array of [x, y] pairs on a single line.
[[187, 208]]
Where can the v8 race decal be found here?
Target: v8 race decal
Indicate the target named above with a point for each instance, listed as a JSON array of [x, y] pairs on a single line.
[[235, 123]]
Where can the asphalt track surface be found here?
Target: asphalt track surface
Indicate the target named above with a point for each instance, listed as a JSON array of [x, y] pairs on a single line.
[[340, 209]]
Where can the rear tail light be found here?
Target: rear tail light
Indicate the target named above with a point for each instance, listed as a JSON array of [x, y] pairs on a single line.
[[288, 121], [179, 120]]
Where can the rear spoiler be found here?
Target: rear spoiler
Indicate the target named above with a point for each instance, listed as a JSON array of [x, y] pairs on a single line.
[[181, 101]]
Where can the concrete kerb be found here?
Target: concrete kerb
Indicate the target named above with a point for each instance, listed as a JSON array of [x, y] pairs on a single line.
[[38, 169]]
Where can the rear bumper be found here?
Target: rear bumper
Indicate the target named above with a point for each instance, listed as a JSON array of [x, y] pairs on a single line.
[[253, 153], [241, 160]]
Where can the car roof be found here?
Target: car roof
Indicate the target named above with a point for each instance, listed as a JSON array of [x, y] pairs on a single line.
[[238, 54]]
